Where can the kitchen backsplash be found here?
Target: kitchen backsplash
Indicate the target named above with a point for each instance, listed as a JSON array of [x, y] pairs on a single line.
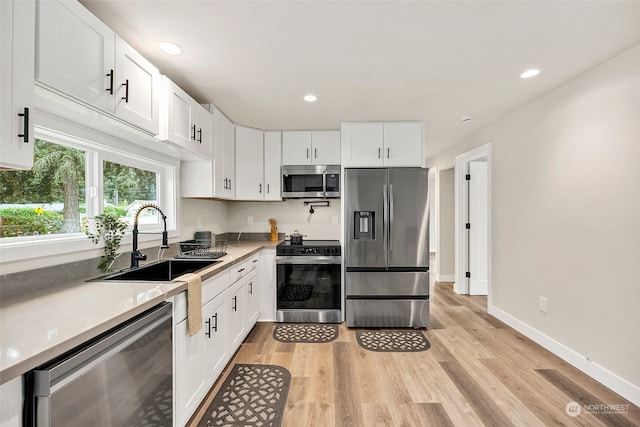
[[291, 215]]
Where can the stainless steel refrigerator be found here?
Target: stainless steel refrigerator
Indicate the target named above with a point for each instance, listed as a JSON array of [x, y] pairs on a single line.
[[387, 247]]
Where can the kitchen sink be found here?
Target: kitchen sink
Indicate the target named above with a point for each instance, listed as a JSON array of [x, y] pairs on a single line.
[[162, 271]]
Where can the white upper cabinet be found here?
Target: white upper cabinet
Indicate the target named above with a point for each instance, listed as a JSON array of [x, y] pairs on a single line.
[[80, 56], [214, 178], [249, 164], [325, 147], [203, 127], [176, 115], [311, 147], [383, 144], [17, 41], [138, 88], [272, 173], [184, 122]]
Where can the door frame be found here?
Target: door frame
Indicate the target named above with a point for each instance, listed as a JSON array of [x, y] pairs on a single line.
[[483, 152]]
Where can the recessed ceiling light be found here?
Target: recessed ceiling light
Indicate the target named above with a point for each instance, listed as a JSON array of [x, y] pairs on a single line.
[[170, 48], [529, 73], [311, 98]]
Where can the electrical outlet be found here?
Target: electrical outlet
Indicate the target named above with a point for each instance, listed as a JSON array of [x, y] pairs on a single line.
[[543, 304], [334, 220], [249, 220]]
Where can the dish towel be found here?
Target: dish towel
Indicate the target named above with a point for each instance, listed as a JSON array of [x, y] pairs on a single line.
[[194, 301]]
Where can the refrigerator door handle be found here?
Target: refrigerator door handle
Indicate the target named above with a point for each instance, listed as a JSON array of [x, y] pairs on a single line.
[[390, 216], [385, 216]]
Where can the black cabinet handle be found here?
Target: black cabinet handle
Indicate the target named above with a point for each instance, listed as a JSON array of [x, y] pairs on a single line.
[[110, 88], [215, 325], [193, 132], [260, 188], [229, 183], [200, 136], [25, 130], [234, 307], [208, 333], [378, 152], [126, 91], [315, 153], [250, 288], [307, 153], [388, 152]]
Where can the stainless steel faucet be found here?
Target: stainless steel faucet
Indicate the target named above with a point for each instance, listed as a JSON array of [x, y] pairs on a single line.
[[136, 255]]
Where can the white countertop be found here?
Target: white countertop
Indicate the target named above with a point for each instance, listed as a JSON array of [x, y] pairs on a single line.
[[40, 326]]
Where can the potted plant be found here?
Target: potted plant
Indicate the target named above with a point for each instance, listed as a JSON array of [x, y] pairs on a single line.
[[109, 228]]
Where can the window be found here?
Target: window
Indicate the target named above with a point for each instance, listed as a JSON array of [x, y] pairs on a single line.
[[50, 198], [44, 211], [126, 189]]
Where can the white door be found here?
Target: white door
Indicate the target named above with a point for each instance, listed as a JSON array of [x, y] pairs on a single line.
[[478, 221], [362, 144], [403, 144]]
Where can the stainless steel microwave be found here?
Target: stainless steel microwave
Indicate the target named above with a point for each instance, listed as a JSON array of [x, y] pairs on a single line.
[[310, 181]]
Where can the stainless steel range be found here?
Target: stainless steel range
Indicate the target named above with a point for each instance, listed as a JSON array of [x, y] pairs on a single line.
[[309, 282]]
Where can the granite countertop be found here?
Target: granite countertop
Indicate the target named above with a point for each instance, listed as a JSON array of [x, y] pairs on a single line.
[[35, 328]]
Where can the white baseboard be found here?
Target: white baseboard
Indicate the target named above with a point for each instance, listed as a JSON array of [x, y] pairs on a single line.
[[446, 278], [621, 386]]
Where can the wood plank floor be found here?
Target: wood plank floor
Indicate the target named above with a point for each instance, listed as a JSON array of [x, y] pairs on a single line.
[[477, 372]]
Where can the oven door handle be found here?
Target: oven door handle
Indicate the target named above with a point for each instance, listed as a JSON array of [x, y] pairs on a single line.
[[281, 260]]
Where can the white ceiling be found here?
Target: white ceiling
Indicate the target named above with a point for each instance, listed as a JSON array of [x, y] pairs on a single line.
[[430, 61]]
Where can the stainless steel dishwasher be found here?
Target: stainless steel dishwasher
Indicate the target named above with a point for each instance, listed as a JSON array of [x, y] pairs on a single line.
[[122, 378]]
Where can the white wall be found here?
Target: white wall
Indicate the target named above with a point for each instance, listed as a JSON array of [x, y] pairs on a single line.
[[446, 230], [291, 215], [203, 215], [565, 219]]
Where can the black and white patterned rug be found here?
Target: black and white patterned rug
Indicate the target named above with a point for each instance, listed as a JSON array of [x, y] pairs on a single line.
[[392, 340], [251, 395], [305, 332]]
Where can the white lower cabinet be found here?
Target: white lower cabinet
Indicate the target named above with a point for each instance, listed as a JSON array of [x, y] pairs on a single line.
[[253, 297], [230, 309], [237, 313]]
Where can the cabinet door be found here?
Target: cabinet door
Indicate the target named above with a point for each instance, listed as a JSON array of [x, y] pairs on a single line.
[[189, 378], [272, 160], [362, 144], [325, 147], [229, 159], [296, 148], [138, 88], [17, 41], [204, 128], [75, 52], [216, 325], [177, 120], [253, 298], [403, 144], [249, 164], [237, 314]]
